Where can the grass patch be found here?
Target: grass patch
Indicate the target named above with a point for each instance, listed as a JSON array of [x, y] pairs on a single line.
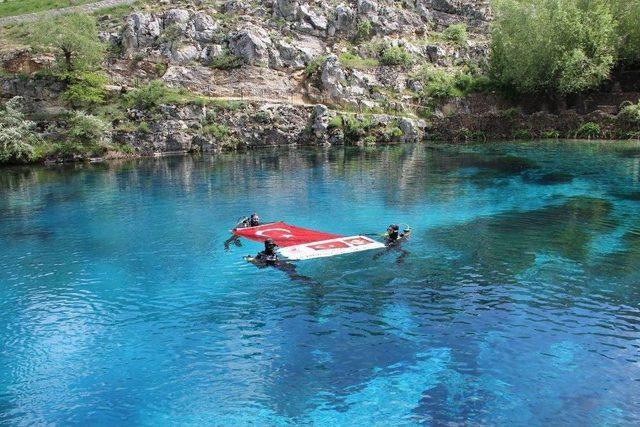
[[356, 62], [21, 7]]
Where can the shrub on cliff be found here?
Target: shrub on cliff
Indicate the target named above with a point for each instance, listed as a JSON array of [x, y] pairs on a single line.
[[18, 139], [588, 130], [73, 38], [152, 95], [86, 90], [564, 46], [440, 84], [363, 30], [356, 62], [455, 33], [629, 113], [226, 61], [87, 135], [396, 56]]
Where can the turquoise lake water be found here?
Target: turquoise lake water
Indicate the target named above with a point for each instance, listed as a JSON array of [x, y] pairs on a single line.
[[518, 302]]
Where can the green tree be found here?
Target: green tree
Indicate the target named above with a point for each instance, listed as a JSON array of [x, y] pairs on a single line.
[[564, 46], [627, 15], [74, 38], [18, 138]]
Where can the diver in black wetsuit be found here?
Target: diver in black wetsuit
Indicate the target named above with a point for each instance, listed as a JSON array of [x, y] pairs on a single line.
[[246, 222], [269, 258], [269, 254], [393, 240], [254, 220]]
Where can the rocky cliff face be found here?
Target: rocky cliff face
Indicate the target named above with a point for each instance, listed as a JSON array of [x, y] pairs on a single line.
[[259, 50], [308, 72]]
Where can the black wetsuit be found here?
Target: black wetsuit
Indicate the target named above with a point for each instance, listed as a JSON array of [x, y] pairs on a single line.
[[394, 241], [269, 253]]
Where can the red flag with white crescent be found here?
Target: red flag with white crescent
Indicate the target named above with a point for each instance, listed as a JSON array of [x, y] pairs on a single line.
[[283, 234]]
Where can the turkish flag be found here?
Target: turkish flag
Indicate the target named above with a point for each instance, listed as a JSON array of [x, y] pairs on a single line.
[[283, 234]]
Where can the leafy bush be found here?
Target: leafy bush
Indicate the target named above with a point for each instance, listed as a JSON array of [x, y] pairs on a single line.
[[396, 56], [226, 61], [522, 134], [588, 130], [550, 134], [552, 45], [363, 30], [630, 113], [150, 96], [353, 61], [393, 132], [18, 139], [370, 140], [464, 134], [144, 127], [86, 90], [89, 131], [437, 83], [440, 84], [335, 122], [456, 33], [314, 65], [217, 131]]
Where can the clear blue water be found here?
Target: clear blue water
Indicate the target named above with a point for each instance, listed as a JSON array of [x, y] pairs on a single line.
[[518, 304]]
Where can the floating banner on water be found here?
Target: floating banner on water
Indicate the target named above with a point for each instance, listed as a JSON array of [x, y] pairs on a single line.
[[297, 243], [325, 248], [283, 234]]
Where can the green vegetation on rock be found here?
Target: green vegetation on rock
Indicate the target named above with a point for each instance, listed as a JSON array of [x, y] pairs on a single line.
[[20, 7], [396, 56], [356, 62], [18, 139], [561, 46], [74, 40], [630, 113], [363, 30], [456, 33], [85, 90]]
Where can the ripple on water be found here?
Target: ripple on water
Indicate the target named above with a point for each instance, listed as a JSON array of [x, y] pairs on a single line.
[[516, 304]]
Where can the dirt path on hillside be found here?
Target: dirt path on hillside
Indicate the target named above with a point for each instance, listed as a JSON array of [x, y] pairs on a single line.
[[86, 8]]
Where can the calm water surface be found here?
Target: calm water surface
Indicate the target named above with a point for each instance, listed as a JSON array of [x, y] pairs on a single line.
[[518, 304]]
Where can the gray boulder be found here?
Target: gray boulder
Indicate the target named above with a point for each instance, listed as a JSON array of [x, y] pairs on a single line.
[[204, 28], [287, 9], [177, 17], [251, 44], [412, 130], [140, 30], [185, 53], [317, 21], [367, 7], [344, 17], [333, 78]]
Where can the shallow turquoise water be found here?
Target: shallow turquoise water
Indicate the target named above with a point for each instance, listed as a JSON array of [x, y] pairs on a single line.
[[518, 304]]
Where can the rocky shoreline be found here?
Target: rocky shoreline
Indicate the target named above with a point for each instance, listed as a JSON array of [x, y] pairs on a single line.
[[286, 72]]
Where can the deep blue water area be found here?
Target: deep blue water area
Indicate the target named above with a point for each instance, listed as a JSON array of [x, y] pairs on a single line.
[[518, 302]]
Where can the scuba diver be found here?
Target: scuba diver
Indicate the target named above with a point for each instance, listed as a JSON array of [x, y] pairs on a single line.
[[393, 240], [269, 255], [245, 222], [254, 220], [393, 234], [269, 258]]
